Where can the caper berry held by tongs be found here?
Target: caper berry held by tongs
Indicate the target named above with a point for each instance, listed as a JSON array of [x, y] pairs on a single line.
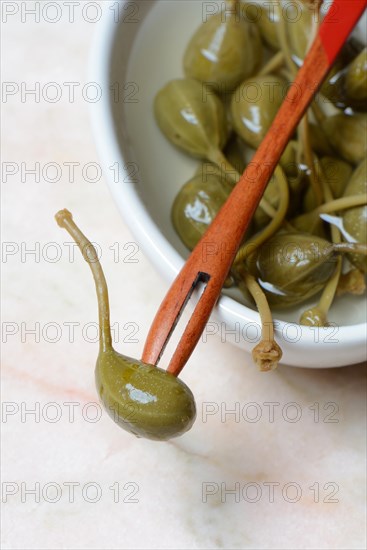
[[141, 398]]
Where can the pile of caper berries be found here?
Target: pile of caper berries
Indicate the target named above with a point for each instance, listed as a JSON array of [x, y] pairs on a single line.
[[308, 235]]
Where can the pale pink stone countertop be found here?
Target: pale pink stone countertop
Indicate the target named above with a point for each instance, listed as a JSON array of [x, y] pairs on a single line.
[[71, 479]]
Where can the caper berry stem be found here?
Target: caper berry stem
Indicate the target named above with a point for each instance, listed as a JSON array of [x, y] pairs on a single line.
[[267, 332], [315, 22], [299, 150], [303, 128], [267, 208], [341, 204], [317, 315], [216, 157], [273, 65], [335, 233], [267, 353], [319, 114], [283, 40], [253, 243], [350, 248], [344, 203], [329, 291], [64, 219], [309, 159]]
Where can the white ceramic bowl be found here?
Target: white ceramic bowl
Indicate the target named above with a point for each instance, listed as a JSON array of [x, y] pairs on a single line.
[[138, 48]]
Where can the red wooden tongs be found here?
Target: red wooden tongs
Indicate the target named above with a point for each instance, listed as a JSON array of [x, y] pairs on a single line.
[[212, 258]]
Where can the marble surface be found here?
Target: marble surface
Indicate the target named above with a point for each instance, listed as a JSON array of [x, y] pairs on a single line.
[[274, 460]]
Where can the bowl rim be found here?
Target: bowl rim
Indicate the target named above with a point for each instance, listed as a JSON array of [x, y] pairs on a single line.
[[154, 243]]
